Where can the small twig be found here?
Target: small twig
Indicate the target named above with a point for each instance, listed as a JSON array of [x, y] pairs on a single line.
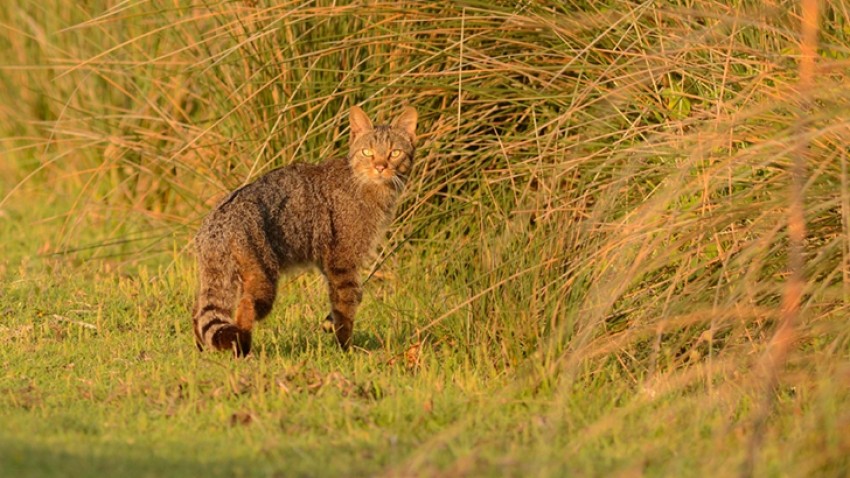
[[460, 71], [75, 322]]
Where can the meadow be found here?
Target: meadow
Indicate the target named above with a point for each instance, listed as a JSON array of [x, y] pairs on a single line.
[[624, 249]]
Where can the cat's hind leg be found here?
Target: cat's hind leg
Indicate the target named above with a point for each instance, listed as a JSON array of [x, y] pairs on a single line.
[[259, 289]]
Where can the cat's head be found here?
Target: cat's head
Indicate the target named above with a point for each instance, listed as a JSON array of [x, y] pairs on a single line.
[[382, 154]]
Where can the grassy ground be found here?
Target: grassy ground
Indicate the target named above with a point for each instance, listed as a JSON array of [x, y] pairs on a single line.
[[101, 377], [585, 278]]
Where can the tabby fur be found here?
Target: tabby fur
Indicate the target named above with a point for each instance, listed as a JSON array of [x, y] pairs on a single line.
[[330, 215]]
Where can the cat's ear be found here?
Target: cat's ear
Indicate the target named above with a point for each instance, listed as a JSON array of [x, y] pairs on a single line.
[[406, 122], [360, 123]]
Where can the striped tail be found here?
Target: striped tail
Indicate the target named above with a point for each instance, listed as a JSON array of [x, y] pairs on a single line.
[[213, 317], [215, 329]]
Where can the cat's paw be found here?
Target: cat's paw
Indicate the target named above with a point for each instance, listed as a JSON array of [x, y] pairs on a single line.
[[342, 331], [328, 324], [232, 338]]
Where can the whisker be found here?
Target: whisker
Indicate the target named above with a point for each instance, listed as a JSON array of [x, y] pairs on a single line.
[[398, 183]]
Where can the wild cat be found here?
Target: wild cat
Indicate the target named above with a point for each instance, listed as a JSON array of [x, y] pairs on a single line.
[[330, 215]]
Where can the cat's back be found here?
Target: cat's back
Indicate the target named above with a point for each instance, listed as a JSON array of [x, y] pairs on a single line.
[[300, 187], [285, 204]]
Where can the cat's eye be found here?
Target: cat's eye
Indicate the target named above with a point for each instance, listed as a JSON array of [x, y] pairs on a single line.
[[367, 152], [395, 153]]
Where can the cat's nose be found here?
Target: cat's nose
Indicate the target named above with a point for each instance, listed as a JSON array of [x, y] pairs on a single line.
[[380, 167]]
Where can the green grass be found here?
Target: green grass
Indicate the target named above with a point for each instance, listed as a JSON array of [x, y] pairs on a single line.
[[584, 278], [102, 377]]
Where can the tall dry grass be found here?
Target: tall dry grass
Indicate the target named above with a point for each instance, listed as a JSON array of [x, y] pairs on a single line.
[[601, 185]]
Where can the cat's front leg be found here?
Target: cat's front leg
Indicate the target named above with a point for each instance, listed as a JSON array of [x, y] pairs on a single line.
[[345, 295]]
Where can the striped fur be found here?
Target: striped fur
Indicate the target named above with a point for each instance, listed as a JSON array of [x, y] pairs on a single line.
[[330, 215]]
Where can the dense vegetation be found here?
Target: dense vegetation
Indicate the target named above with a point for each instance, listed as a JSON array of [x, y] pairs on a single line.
[[585, 276]]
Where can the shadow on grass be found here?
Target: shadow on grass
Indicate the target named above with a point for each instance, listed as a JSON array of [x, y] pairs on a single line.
[[307, 343], [91, 456], [35, 460]]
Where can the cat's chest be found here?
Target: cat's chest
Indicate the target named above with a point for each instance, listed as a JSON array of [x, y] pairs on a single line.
[[360, 225]]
